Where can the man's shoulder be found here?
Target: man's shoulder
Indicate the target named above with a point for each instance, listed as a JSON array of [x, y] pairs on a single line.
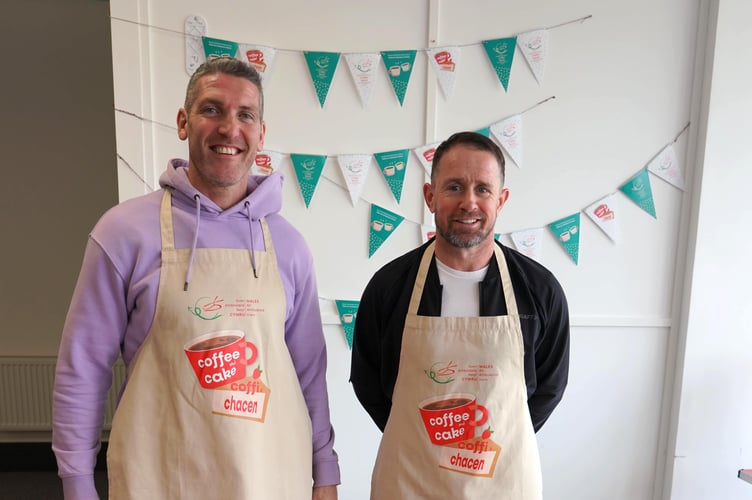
[[126, 220]]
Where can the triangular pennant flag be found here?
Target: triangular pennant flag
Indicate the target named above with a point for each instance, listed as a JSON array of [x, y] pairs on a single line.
[[322, 66], [215, 47], [639, 191], [399, 67], [308, 170], [501, 53], [425, 155], [348, 311], [484, 131], [666, 166], [529, 242], [444, 61], [266, 162], [355, 171], [383, 223], [393, 165], [260, 57], [427, 232], [534, 45], [567, 231], [509, 134], [604, 213], [363, 70]]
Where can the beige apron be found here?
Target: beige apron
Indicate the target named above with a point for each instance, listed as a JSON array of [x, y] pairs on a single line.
[[459, 427], [213, 415]]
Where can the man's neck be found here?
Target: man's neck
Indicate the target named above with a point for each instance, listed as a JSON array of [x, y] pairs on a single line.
[[464, 259]]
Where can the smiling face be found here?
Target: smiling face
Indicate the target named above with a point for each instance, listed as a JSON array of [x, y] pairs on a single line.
[[224, 132], [465, 196]]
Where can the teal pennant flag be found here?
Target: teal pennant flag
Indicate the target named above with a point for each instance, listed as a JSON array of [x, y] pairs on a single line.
[[308, 170], [215, 47], [383, 224], [393, 165], [484, 131], [348, 311], [322, 66], [399, 67], [639, 191], [567, 231], [501, 53]]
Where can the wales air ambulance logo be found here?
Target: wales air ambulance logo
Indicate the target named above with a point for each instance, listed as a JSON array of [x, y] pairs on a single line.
[[207, 308], [442, 372]]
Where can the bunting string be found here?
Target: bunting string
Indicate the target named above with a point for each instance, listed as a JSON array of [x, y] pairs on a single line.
[[183, 33]]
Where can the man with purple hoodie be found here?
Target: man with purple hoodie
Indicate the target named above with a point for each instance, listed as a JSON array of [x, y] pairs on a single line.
[[210, 298]]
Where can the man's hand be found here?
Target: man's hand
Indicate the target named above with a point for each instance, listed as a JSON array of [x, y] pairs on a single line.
[[325, 493]]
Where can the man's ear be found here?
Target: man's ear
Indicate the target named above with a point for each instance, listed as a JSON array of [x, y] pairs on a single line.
[[428, 196], [182, 121], [503, 197]]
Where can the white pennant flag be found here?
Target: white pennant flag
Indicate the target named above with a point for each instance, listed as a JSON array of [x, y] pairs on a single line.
[[425, 155], [444, 61], [266, 162], [604, 213], [529, 242], [666, 166], [534, 45], [363, 68], [509, 134], [354, 170], [258, 56]]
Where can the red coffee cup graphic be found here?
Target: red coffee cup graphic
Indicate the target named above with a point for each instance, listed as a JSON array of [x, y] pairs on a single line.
[[443, 57], [254, 55], [263, 160], [219, 358], [451, 418], [428, 155]]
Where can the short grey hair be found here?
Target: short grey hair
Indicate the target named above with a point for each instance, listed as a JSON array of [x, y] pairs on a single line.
[[226, 66]]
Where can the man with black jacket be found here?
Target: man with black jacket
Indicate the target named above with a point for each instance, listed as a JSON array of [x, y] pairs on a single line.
[[461, 346]]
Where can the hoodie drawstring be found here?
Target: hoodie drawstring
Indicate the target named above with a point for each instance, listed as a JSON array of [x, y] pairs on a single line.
[[195, 241], [250, 228]]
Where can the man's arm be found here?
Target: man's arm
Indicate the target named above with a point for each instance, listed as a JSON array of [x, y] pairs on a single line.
[[365, 369], [551, 357], [89, 347], [304, 336]]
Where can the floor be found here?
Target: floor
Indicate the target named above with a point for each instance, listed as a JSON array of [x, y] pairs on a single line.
[[40, 485], [28, 471]]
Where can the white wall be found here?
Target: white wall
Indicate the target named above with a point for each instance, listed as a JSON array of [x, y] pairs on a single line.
[[625, 83], [712, 419]]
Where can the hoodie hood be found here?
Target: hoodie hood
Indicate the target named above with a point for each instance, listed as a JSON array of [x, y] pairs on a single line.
[[264, 193], [264, 198]]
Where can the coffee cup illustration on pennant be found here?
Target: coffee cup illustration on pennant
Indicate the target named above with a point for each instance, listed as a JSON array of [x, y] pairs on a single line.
[[451, 418], [219, 358]]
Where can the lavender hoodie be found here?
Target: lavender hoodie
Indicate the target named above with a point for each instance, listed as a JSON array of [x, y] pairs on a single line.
[[114, 302]]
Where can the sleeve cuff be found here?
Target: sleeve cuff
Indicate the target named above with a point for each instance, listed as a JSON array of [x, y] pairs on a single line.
[[79, 488], [326, 474]]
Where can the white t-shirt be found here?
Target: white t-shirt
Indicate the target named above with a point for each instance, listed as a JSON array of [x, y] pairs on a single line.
[[460, 294]]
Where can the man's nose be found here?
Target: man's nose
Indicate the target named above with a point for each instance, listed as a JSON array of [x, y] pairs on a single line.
[[469, 199], [229, 126]]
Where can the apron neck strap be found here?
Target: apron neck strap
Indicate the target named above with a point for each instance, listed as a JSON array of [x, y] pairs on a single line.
[[506, 281], [425, 263], [165, 217]]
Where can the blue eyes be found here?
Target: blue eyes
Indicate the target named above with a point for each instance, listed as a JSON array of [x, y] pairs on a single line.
[[212, 111]]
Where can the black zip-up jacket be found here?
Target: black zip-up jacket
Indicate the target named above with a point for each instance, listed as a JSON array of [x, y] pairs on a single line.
[[380, 321]]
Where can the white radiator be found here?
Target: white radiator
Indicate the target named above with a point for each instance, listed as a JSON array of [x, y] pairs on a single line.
[[26, 393]]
